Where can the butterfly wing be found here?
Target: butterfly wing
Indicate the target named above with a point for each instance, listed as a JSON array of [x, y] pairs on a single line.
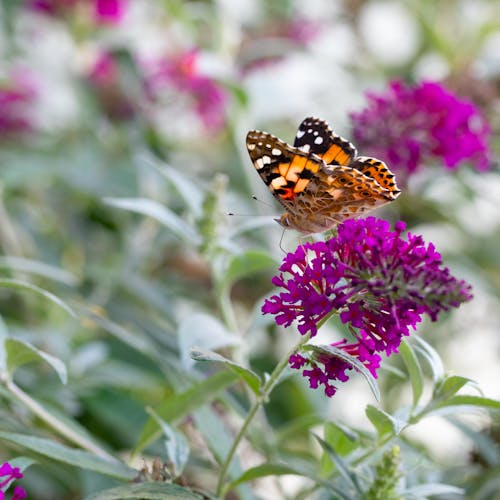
[[379, 171], [316, 136], [286, 171]]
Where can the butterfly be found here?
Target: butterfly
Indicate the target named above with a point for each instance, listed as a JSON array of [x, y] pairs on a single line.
[[320, 180]]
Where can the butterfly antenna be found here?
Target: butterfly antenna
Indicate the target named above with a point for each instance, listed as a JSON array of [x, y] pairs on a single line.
[[232, 214], [262, 201]]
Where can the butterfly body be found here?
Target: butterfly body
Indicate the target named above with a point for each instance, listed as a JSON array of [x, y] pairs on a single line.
[[319, 180]]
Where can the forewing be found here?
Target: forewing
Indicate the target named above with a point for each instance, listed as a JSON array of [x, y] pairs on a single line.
[[315, 136], [287, 171]]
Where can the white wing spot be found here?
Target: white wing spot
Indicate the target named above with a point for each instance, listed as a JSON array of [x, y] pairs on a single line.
[[306, 148], [309, 130], [300, 134], [250, 147], [318, 140], [315, 132], [268, 145], [259, 163], [266, 160], [259, 143], [276, 152]]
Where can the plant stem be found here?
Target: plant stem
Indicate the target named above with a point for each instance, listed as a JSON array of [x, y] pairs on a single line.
[[261, 399]]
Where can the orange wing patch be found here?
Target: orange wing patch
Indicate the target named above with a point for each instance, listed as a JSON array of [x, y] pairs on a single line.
[[315, 136], [336, 154], [377, 170]]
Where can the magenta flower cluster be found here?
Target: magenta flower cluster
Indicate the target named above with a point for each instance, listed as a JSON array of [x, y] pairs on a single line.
[[8, 474], [410, 126], [379, 282]]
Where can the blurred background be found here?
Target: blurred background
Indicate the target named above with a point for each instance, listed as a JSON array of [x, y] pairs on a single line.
[[122, 148]]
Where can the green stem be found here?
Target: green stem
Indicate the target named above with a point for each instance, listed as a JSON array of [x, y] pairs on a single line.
[[56, 424], [261, 399]]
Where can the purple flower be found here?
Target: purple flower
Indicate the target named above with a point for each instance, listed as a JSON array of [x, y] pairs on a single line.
[[180, 72], [379, 283], [11, 474], [17, 95], [408, 126]]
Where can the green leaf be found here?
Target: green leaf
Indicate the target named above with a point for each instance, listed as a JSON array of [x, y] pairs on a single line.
[[432, 358], [450, 386], [414, 370], [217, 437], [269, 469], [71, 456], [278, 469], [38, 268], [249, 376], [188, 191], [431, 489], [146, 491], [342, 439], [179, 405], [385, 423], [466, 401], [246, 264], [175, 443], [341, 466], [289, 430], [157, 211], [4, 335], [20, 353], [21, 285], [351, 360], [22, 462], [204, 331], [134, 339]]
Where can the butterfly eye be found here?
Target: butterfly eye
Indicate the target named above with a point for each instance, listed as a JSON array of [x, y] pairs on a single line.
[[283, 221]]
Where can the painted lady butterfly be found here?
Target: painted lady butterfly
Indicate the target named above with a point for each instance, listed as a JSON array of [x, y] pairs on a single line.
[[319, 180]]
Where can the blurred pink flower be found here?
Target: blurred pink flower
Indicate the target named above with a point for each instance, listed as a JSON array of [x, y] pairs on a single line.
[[109, 11], [302, 31], [17, 94], [52, 7], [410, 126], [181, 73], [261, 48], [106, 80], [103, 11]]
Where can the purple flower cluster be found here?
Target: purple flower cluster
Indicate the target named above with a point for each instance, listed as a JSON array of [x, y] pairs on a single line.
[[408, 126], [17, 95], [181, 73], [11, 474], [379, 283]]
